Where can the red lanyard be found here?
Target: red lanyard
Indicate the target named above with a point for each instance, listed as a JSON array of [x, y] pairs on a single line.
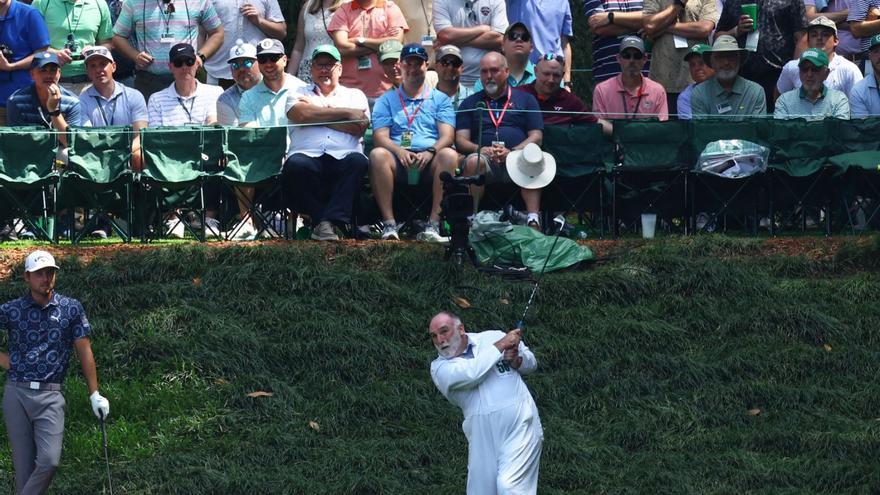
[[409, 120], [497, 122]]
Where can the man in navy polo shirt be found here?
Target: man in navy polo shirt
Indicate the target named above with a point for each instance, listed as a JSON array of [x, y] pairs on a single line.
[[512, 120], [24, 33], [42, 329], [413, 130]]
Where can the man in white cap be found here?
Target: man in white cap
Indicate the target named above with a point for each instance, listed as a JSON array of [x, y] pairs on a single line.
[[110, 103], [822, 34], [482, 374], [42, 328], [814, 100], [727, 95], [449, 66]]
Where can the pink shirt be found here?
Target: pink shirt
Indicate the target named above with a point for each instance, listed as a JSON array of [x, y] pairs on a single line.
[[612, 101], [373, 23]]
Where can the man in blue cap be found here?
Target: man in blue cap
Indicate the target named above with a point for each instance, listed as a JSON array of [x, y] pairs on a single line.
[[44, 102]]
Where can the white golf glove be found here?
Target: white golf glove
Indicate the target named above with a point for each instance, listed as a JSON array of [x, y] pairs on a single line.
[[99, 405]]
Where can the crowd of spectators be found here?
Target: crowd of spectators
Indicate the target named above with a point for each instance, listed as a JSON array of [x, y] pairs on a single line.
[[446, 86]]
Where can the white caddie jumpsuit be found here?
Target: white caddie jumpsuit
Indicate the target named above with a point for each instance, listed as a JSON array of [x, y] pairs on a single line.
[[501, 419]]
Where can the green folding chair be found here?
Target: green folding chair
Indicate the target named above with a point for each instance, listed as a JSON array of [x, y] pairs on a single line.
[[98, 178], [28, 177], [254, 156], [178, 162]]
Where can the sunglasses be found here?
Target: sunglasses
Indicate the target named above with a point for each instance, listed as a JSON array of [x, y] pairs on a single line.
[[271, 58], [189, 62], [552, 56], [324, 66], [247, 64], [632, 55], [454, 62], [811, 68], [519, 36]]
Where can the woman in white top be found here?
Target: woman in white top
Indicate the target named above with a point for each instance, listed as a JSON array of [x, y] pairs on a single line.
[[311, 31]]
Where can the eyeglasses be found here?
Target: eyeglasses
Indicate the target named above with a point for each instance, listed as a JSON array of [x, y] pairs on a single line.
[[552, 56], [632, 55], [472, 14], [188, 61], [327, 66], [519, 36], [454, 62], [169, 7], [268, 58], [811, 68], [247, 64]]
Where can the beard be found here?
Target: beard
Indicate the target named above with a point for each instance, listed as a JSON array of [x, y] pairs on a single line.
[[491, 87], [451, 348], [726, 75]]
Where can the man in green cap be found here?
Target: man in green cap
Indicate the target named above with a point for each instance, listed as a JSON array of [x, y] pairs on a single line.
[[813, 100], [699, 72], [727, 95]]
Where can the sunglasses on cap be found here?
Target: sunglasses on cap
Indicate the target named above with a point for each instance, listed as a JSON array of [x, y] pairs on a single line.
[[270, 57], [519, 36], [632, 55], [454, 62], [247, 64], [550, 57], [188, 61]]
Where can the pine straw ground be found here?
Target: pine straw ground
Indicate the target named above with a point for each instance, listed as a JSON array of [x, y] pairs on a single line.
[[701, 365]]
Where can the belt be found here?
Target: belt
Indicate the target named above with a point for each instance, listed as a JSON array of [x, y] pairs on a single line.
[[75, 79], [36, 385]]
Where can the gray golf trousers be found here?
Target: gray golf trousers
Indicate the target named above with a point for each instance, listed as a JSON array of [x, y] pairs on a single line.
[[35, 425]]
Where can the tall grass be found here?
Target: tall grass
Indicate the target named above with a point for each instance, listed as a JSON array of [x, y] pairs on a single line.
[[685, 366]]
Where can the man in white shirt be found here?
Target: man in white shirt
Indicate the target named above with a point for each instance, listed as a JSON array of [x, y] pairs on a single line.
[[481, 374], [246, 21], [326, 164], [186, 101], [476, 27]]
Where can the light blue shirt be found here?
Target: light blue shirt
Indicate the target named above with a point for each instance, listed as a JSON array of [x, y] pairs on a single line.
[[436, 108], [528, 76], [795, 105], [684, 102], [124, 107], [864, 100], [547, 20]]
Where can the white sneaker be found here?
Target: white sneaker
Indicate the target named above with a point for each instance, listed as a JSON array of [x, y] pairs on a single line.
[[174, 228], [244, 231], [212, 227], [431, 234], [389, 231], [324, 232]]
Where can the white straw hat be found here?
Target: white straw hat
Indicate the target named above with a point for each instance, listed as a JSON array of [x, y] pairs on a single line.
[[531, 168]]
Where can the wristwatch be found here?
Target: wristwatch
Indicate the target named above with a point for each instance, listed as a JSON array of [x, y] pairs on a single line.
[[567, 84], [55, 113], [610, 18], [202, 56], [432, 149], [360, 40]]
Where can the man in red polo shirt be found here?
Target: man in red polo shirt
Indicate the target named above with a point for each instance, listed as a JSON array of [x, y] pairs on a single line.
[[630, 95]]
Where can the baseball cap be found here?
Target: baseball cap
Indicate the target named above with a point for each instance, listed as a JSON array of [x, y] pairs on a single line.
[[270, 46], [38, 260], [516, 25], [446, 50], [44, 58], [181, 51], [242, 50], [816, 56], [390, 49], [632, 42], [698, 49], [97, 51], [414, 50], [875, 40], [822, 21], [327, 49]]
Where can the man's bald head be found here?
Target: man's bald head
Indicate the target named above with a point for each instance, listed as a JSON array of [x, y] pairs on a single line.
[[494, 73]]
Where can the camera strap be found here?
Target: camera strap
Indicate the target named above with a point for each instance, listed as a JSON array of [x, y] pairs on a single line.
[[71, 26]]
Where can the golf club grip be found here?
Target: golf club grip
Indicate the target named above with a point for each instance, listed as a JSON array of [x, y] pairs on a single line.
[[521, 324]]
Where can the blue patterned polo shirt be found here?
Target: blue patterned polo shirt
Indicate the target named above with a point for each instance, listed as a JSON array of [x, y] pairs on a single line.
[[40, 340]]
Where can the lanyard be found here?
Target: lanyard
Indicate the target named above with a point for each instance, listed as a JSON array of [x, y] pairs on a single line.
[[497, 122], [112, 110], [636, 109], [187, 110], [409, 120], [72, 29]]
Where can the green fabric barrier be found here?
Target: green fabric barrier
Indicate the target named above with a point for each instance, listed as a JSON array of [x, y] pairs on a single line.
[[523, 246], [578, 149], [703, 132], [26, 157], [174, 155], [254, 154], [649, 145], [800, 148], [857, 145], [98, 168]]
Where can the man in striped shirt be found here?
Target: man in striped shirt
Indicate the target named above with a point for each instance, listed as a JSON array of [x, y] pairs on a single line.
[[609, 21], [186, 101]]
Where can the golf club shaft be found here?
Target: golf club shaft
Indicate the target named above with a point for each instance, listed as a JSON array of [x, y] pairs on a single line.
[[106, 453], [522, 321]]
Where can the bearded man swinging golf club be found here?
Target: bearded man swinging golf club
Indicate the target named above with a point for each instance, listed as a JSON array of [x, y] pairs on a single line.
[[42, 328], [480, 373]]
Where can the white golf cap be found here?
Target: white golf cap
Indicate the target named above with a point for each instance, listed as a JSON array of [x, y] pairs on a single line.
[[97, 51], [531, 168], [38, 260], [242, 50]]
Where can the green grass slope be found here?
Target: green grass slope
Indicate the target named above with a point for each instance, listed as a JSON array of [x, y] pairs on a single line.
[[685, 366]]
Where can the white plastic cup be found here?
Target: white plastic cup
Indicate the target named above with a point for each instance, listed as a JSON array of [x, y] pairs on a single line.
[[649, 225]]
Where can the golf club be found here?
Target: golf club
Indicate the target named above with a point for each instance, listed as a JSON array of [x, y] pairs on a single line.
[[106, 453], [559, 220]]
